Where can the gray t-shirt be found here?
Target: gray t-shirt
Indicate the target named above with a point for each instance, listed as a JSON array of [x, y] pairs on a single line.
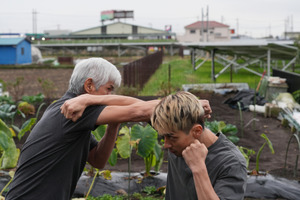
[[54, 155], [226, 168]]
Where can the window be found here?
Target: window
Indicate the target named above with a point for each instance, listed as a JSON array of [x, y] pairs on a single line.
[[103, 30], [192, 31], [134, 29], [22, 51]]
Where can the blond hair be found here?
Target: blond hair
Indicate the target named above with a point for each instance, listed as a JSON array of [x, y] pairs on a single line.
[[178, 112]]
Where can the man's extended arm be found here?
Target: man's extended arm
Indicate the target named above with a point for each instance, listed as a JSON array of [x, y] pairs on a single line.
[[73, 108]]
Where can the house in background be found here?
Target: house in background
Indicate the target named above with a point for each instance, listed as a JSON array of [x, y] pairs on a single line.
[[292, 35], [205, 31], [14, 51], [120, 30]]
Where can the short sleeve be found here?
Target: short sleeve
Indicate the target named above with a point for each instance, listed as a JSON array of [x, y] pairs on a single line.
[[93, 142], [232, 183]]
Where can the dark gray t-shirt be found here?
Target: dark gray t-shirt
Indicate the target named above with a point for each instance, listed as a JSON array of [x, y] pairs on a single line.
[[226, 168], [54, 155]]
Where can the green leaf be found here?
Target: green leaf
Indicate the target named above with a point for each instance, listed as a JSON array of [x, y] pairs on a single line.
[[147, 136], [5, 129], [106, 174], [10, 158], [15, 128], [230, 129], [221, 126], [233, 139], [123, 143], [4, 141], [113, 157], [26, 127], [268, 142], [157, 150], [213, 126], [99, 132]]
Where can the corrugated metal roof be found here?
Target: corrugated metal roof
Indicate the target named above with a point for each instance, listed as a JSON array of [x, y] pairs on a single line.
[[211, 24], [10, 41]]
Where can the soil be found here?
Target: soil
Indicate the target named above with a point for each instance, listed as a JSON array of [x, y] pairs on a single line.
[[249, 138]]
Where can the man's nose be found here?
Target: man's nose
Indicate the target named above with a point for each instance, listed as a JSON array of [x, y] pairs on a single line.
[[167, 144]]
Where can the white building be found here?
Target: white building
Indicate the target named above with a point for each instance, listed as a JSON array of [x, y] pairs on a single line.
[[203, 31], [123, 31]]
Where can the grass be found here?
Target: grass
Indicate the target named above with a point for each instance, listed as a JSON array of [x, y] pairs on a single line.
[[182, 72]]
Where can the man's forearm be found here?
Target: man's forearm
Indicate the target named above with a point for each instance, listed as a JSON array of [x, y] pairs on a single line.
[[203, 186], [101, 153], [110, 100]]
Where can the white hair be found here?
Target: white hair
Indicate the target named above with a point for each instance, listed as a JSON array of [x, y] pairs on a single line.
[[98, 69]]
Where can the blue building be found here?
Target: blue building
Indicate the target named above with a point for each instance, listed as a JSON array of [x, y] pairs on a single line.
[[14, 51]]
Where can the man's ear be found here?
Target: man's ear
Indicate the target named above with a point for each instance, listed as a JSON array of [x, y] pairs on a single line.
[[89, 85], [197, 130]]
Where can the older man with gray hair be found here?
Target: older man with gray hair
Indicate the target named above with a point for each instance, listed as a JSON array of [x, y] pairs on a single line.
[[55, 153]]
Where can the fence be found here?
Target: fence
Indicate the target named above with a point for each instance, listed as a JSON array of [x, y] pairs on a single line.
[[292, 79], [137, 73]]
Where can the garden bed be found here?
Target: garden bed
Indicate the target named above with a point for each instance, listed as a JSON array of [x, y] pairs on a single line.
[[250, 138]]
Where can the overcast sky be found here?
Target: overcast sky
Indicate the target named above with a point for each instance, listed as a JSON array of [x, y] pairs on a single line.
[[256, 18]]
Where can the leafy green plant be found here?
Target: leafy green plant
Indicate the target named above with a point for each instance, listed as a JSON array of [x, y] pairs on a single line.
[[247, 155], [8, 150], [144, 140], [11, 174], [8, 112], [39, 98], [227, 129], [296, 96], [105, 173], [149, 190], [269, 143], [26, 108], [148, 146], [27, 125], [6, 100]]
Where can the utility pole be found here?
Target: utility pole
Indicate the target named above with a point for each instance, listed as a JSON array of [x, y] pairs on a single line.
[[207, 22], [34, 21], [237, 27], [202, 26]]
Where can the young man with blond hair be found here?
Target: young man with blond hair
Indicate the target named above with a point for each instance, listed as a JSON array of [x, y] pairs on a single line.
[[201, 164]]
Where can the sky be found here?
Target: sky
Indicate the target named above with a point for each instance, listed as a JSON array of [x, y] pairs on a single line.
[[255, 18]]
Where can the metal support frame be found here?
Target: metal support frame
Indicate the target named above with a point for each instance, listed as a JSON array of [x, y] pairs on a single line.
[[291, 62], [226, 67], [196, 57], [237, 65], [269, 62], [213, 51]]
